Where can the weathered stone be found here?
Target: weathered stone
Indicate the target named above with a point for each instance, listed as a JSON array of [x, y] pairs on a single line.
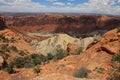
[[2, 23], [1, 61]]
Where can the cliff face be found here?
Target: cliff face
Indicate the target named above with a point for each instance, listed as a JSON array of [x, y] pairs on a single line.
[[64, 23], [50, 45], [97, 56], [2, 23]]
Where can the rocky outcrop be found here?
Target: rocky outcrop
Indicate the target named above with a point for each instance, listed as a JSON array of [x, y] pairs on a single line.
[[71, 48], [95, 58], [108, 49], [59, 40], [2, 23], [13, 45], [16, 39]]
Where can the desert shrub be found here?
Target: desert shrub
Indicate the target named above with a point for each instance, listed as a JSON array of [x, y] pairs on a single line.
[[81, 73], [114, 76], [49, 56], [29, 61], [115, 71], [19, 62], [26, 62], [116, 57], [12, 40], [4, 48], [78, 51], [118, 29], [37, 61], [34, 56], [59, 54], [95, 39], [36, 69], [4, 39], [99, 69], [13, 48], [43, 58], [10, 68], [22, 53], [2, 51]]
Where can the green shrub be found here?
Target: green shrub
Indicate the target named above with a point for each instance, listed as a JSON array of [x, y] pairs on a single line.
[[78, 51], [118, 29], [22, 62], [4, 48], [36, 69], [19, 62], [29, 61], [2, 51], [22, 53], [34, 56], [116, 57], [59, 54], [13, 48], [114, 72], [4, 39], [29, 64], [10, 68], [36, 59], [43, 58], [49, 56], [114, 76], [81, 73]]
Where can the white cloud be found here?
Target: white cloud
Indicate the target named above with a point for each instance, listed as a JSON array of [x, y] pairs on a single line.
[[71, 0], [100, 6], [69, 4], [118, 1], [59, 3], [104, 6], [97, 6], [21, 6], [52, 0]]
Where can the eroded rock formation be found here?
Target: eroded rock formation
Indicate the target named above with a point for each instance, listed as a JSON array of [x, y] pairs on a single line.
[[2, 23], [70, 24]]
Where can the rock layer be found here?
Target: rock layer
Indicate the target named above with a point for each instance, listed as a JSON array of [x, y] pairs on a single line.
[[71, 24], [59, 40]]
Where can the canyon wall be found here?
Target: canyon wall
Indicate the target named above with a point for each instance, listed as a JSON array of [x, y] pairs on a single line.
[[63, 23]]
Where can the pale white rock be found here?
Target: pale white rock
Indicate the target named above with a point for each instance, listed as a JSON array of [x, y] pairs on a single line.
[[59, 40], [1, 60]]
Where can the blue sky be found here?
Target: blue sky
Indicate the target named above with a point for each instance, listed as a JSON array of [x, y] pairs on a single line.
[[50, 2], [62, 6]]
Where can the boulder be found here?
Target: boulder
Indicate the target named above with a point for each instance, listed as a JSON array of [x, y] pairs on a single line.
[[109, 49]]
